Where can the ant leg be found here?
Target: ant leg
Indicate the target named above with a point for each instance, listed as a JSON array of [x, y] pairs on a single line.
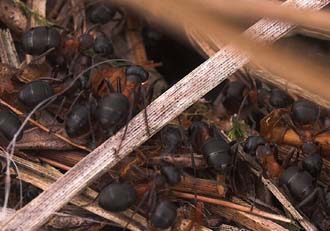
[[287, 193], [310, 197], [90, 122], [51, 130], [241, 106], [143, 199], [74, 103], [254, 123], [129, 117], [287, 160]]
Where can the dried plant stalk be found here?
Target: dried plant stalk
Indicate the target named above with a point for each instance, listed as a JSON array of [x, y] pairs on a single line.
[[8, 53], [43, 177], [164, 109], [282, 199], [209, 47]]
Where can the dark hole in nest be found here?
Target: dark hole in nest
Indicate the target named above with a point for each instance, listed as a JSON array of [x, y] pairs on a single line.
[[178, 57]]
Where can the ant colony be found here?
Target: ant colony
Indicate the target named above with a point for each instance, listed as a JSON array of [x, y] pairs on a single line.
[[247, 149]]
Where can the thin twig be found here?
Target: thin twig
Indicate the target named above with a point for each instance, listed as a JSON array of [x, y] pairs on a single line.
[[233, 206], [44, 128]]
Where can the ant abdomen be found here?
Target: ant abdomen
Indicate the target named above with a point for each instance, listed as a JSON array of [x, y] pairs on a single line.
[[112, 110], [9, 124], [217, 154], [117, 197], [35, 92], [38, 40]]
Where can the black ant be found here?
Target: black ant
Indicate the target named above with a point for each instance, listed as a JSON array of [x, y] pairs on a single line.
[[299, 184], [274, 98], [207, 141], [171, 138], [120, 196], [118, 107], [9, 124]]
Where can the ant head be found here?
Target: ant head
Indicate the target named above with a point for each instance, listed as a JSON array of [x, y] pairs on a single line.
[[279, 99], [266, 150], [305, 113], [313, 164], [196, 126], [171, 135], [86, 41], [102, 13], [103, 45], [252, 143]]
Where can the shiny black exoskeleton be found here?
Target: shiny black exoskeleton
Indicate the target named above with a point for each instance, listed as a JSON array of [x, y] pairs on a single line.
[[86, 41], [117, 197], [103, 45], [77, 121], [164, 215], [300, 184], [38, 40], [35, 92], [214, 148], [313, 164], [102, 13], [304, 112], [171, 137], [171, 173], [279, 99], [233, 95], [112, 111], [138, 71], [9, 124], [310, 198], [252, 143]]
